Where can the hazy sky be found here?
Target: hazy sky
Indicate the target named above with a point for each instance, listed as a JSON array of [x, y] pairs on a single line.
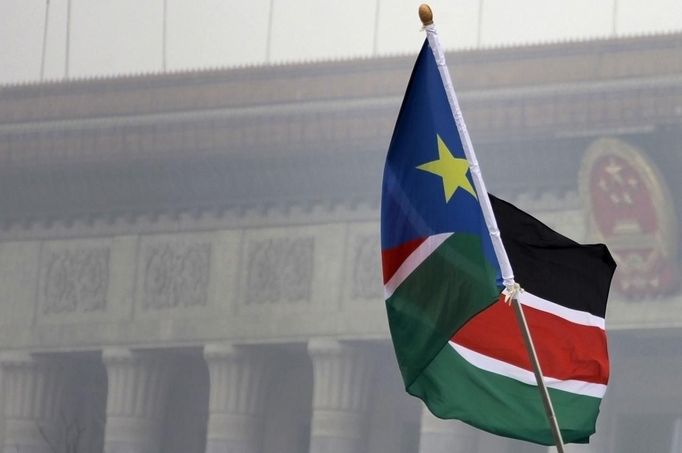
[[125, 36]]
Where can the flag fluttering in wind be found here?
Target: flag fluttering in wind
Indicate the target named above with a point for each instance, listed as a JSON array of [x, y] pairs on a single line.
[[457, 342]]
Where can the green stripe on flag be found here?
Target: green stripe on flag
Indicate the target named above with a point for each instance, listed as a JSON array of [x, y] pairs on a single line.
[[453, 388], [448, 288]]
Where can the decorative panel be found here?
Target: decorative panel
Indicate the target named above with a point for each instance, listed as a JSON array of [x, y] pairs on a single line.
[[280, 270], [75, 280], [176, 275]]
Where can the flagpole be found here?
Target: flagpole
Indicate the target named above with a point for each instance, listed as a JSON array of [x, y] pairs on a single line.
[[164, 36], [67, 52], [512, 288], [43, 52], [268, 38], [546, 400]]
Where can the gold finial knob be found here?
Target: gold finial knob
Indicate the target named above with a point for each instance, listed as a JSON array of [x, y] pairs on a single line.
[[425, 14]]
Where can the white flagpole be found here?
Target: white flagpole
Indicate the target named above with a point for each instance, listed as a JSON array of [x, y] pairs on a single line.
[[164, 36], [67, 52], [43, 53], [268, 38], [512, 288], [480, 23]]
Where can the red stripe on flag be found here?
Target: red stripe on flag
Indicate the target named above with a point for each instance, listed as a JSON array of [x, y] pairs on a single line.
[[565, 350], [392, 258]]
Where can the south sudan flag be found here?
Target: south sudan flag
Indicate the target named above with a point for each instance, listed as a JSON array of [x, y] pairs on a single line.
[[457, 343]]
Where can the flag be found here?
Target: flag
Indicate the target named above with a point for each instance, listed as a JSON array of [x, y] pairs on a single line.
[[457, 342]]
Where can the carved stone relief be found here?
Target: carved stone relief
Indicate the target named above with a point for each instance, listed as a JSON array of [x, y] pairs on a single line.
[[280, 270], [176, 275], [629, 206], [76, 280], [366, 272]]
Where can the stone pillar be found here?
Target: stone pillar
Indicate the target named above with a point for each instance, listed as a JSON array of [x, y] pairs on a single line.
[[238, 379], [137, 388], [676, 443], [33, 389], [445, 436], [342, 376]]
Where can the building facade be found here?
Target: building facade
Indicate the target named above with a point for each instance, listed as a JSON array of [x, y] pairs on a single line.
[[189, 262]]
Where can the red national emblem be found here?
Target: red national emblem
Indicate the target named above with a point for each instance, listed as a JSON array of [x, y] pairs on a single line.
[[629, 208]]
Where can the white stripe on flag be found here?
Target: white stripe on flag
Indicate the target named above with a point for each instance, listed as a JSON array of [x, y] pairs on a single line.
[[575, 316], [496, 366], [415, 258]]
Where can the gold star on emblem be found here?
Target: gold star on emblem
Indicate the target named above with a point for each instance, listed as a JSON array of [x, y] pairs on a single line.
[[453, 171]]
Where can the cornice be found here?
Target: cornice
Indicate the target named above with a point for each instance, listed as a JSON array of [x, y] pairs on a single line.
[[245, 217], [572, 62], [195, 220], [528, 112]]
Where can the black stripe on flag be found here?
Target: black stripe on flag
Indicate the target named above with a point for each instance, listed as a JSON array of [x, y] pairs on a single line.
[[552, 266]]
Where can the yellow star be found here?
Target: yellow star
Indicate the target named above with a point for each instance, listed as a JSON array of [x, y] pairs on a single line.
[[451, 169]]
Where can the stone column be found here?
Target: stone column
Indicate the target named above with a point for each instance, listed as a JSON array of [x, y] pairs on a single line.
[[238, 379], [342, 376], [138, 385], [676, 443], [33, 389], [445, 436]]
